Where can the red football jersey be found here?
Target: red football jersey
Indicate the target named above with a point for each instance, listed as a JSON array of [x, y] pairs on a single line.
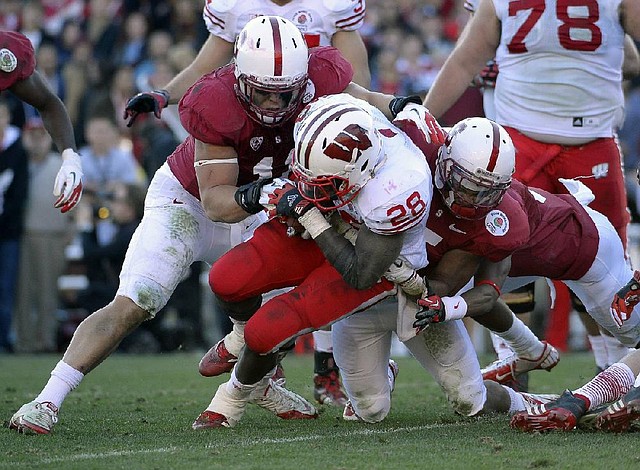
[[211, 113], [546, 234], [17, 58]]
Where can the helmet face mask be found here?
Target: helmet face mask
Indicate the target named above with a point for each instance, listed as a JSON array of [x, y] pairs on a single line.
[[271, 62], [337, 151], [474, 167]]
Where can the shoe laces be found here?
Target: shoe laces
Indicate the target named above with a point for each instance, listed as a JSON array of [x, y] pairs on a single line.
[[278, 397], [45, 411]]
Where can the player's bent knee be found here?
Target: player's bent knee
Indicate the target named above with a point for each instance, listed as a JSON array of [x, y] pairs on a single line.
[[372, 410], [240, 311]]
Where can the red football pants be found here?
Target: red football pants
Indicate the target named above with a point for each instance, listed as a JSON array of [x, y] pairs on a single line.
[[271, 260], [596, 164]]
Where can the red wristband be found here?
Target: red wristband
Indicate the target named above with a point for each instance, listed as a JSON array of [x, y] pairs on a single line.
[[490, 283]]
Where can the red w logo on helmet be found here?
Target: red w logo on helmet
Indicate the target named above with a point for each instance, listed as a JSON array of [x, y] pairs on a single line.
[[351, 138]]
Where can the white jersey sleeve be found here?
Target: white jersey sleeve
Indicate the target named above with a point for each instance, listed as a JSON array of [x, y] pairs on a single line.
[[318, 20], [398, 198], [560, 67]]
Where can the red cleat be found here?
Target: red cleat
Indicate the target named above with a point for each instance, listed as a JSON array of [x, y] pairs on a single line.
[[210, 419], [561, 414], [506, 370], [218, 360], [622, 415]]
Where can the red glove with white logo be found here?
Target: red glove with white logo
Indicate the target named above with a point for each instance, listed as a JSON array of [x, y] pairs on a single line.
[[436, 309], [625, 300], [67, 187]]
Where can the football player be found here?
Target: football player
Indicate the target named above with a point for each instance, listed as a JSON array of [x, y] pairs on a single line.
[[562, 124], [531, 233], [17, 63], [361, 341], [240, 118], [323, 23], [348, 161]]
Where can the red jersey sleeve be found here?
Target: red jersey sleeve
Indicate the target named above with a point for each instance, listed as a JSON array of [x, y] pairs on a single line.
[[329, 71], [210, 111], [17, 58]]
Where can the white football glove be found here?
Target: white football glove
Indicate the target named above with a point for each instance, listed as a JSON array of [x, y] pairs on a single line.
[[403, 274], [424, 121], [68, 184]]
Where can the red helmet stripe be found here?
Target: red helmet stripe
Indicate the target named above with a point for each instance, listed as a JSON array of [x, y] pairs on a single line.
[[277, 46], [493, 159]]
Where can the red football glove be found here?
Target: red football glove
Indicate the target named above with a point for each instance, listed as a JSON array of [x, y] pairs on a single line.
[[625, 300], [288, 202], [146, 102], [487, 77], [432, 311]]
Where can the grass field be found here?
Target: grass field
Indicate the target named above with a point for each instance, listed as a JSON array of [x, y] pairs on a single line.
[[135, 412]]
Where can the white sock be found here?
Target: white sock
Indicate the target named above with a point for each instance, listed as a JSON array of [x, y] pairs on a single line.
[[501, 348], [615, 349], [237, 389], [637, 382], [322, 341], [517, 402], [599, 350], [64, 378], [609, 385], [522, 340], [234, 341]]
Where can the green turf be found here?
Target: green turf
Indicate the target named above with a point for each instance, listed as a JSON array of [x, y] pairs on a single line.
[[135, 412]]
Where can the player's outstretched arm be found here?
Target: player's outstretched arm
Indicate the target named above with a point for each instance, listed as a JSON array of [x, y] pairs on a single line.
[[68, 183]]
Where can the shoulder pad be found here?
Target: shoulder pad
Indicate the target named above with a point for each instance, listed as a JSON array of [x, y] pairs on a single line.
[[210, 110]]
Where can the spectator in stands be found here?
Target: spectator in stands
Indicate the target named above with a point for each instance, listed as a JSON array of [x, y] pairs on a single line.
[[43, 243], [104, 160], [13, 186]]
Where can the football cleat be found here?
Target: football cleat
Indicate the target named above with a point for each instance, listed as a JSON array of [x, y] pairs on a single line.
[[35, 418], [588, 421], [283, 403], [622, 415], [505, 370], [349, 414], [217, 361], [224, 411], [327, 389], [393, 373], [210, 419], [562, 414], [278, 376], [533, 399]]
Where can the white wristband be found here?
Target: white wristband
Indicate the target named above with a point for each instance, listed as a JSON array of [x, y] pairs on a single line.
[[314, 222], [455, 307]]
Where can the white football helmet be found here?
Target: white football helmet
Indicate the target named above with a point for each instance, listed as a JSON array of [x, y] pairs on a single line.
[[337, 150], [271, 60], [474, 167]]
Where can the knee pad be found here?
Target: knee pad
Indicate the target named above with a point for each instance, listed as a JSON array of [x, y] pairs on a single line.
[[521, 300], [241, 311], [372, 410]]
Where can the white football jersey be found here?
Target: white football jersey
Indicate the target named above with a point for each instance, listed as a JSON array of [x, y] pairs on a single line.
[[398, 198], [318, 20], [560, 67]]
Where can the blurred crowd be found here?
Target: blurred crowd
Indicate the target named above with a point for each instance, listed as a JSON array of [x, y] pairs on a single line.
[[96, 54]]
